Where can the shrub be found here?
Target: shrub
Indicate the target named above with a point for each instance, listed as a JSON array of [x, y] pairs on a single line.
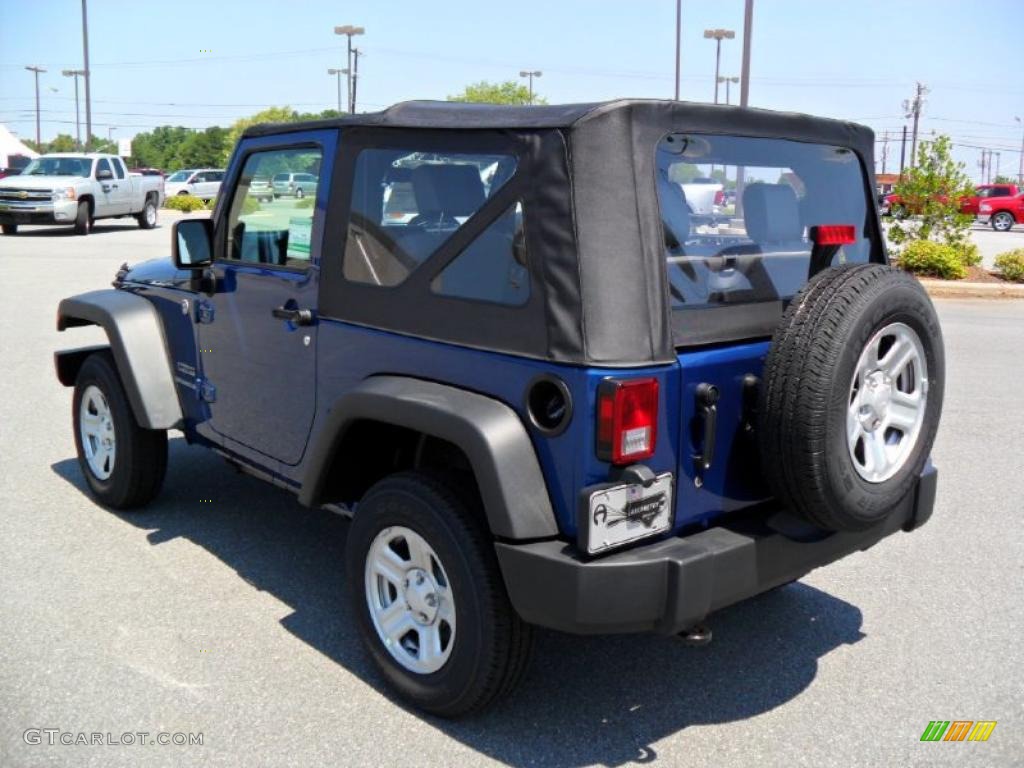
[[1011, 264], [931, 259], [184, 203], [306, 202], [969, 254]]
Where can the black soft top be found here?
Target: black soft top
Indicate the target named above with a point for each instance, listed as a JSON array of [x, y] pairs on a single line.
[[598, 244]]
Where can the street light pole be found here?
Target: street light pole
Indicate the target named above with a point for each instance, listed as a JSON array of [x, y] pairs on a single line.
[[349, 30], [727, 81], [110, 133], [718, 35], [35, 71], [530, 73], [338, 73], [87, 75], [748, 25], [78, 124]]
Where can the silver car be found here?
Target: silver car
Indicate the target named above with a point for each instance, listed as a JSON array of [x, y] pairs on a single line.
[[294, 184]]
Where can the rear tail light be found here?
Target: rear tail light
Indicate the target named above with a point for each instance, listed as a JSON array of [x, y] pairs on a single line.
[[627, 419], [719, 197], [834, 234]]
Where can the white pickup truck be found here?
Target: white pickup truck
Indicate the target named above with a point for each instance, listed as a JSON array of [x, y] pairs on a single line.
[[704, 196], [76, 189]]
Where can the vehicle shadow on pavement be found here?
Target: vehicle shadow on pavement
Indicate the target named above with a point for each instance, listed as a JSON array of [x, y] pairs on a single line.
[[100, 229], [584, 700]]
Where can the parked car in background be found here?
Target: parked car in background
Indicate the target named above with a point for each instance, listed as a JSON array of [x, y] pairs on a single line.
[[4, 172], [703, 195], [204, 183], [76, 189], [970, 204], [895, 205], [1003, 212], [294, 185], [261, 190]]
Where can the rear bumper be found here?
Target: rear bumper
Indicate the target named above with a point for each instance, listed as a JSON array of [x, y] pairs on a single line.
[[671, 585]]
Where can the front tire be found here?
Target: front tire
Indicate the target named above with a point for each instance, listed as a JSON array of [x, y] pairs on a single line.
[[83, 220], [123, 463], [147, 217], [429, 599], [1002, 222], [10, 229]]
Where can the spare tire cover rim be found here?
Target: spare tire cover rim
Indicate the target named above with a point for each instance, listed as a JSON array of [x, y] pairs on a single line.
[[887, 402]]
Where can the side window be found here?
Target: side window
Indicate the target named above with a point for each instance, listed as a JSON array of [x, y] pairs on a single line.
[[493, 267], [102, 165], [407, 203], [277, 233], [118, 167], [215, 176], [1000, 192]]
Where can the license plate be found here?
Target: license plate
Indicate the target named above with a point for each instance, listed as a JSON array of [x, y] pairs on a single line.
[[621, 514], [21, 218]]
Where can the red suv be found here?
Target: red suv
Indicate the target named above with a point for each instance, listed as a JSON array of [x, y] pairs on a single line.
[[1003, 212]]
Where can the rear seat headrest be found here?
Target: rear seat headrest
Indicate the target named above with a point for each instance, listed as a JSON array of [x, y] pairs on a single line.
[[771, 213]]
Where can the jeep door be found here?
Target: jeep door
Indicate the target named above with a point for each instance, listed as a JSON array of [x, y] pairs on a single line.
[[257, 331]]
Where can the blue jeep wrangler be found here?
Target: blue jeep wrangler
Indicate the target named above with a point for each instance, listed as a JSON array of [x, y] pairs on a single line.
[[544, 390]]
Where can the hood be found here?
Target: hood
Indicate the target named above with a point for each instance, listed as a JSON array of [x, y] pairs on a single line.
[[40, 182], [161, 272]]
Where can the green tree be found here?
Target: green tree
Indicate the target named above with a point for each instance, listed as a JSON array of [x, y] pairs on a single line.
[[932, 189], [202, 149], [508, 92], [270, 115], [1003, 179], [62, 143], [159, 148]]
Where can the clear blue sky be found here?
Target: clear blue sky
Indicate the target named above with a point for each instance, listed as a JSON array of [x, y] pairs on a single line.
[[851, 59]]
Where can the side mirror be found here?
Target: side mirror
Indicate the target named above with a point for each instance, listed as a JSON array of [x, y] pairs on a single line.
[[104, 175], [192, 243]]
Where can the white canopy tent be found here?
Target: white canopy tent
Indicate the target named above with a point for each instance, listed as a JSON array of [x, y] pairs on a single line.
[[10, 147]]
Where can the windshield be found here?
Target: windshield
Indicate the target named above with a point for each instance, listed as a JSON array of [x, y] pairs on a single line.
[[179, 176], [58, 166], [751, 245]]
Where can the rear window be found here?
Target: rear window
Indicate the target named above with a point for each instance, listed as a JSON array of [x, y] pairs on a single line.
[[737, 211]]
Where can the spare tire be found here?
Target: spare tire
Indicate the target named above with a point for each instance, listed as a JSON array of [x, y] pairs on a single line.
[[851, 396]]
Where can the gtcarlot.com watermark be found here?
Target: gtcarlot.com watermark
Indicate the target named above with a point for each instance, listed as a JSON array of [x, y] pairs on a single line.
[[56, 736]]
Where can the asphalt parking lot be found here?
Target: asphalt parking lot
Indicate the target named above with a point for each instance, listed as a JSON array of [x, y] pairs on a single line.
[[227, 617]]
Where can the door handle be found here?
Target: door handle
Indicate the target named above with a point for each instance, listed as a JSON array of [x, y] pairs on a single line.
[[114, 186], [297, 316]]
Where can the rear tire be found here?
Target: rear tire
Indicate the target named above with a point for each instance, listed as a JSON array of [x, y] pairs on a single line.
[[83, 220], [852, 396], [129, 471], [487, 645], [10, 229], [148, 216], [1002, 222]]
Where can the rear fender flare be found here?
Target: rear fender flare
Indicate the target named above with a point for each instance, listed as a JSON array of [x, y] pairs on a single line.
[[492, 436]]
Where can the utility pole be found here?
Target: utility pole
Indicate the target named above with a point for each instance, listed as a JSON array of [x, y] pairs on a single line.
[[903, 151], [338, 73], [36, 71], [885, 148], [718, 35], [679, 31], [349, 30], [998, 155], [530, 73], [88, 75], [356, 53], [912, 108], [76, 73]]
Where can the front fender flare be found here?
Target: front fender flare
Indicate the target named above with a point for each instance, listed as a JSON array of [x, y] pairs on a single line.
[[490, 433], [137, 341]]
